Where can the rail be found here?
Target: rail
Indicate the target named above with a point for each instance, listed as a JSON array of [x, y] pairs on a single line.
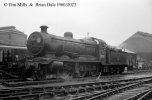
[[101, 95]]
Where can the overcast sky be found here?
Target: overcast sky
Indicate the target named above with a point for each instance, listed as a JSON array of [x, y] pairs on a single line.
[[110, 20]]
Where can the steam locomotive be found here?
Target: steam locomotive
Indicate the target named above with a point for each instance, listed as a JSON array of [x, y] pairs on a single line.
[[55, 55]]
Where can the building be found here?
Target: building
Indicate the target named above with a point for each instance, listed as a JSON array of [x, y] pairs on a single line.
[[9, 35], [140, 43]]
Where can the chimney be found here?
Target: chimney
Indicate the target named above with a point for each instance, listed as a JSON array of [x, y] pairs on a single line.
[[68, 34], [44, 29]]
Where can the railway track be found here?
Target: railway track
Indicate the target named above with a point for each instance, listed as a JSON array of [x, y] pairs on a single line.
[[100, 95], [72, 91], [19, 83], [144, 94], [26, 83]]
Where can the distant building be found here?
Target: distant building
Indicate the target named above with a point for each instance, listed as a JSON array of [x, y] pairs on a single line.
[[140, 43], [9, 35]]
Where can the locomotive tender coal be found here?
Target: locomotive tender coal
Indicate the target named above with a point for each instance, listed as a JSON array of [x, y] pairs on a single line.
[[55, 55]]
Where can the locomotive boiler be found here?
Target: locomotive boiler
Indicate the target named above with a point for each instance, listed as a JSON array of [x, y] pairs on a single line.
[[54, 55], [41, 44]]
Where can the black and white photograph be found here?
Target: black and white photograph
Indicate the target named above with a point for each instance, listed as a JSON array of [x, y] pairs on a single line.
[[75, 49]]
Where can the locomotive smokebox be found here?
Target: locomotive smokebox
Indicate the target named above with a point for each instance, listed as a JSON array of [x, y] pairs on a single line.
[[44, 29], [68, 35]]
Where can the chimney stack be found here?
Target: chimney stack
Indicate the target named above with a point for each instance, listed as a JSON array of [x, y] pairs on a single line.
[[44, 29], [68, 34]]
